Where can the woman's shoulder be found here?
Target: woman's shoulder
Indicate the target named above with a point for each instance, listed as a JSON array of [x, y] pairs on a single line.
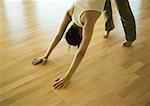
[[70, 10]]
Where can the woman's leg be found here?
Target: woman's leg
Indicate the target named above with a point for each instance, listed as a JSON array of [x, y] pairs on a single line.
[[109, 24], [128, 20]]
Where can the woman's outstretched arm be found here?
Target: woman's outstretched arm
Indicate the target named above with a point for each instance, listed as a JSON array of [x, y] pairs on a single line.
[[67, 19], [87, 34]]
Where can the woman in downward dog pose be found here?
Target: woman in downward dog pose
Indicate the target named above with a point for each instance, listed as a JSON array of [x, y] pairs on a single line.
[[83, 14]]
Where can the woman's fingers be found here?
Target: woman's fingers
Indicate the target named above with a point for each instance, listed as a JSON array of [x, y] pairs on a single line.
[[57, 79], [37, 61], [58, 84]]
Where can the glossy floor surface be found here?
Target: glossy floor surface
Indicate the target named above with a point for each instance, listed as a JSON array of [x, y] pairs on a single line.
[[109, 75]]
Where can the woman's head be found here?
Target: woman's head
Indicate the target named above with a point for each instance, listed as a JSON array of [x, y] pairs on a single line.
[[74, 35]]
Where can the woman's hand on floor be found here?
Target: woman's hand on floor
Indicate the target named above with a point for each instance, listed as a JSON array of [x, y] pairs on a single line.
[[60, 82], [39, 60]]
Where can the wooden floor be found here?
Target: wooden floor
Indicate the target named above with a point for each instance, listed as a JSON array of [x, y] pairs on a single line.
[[109, 75]]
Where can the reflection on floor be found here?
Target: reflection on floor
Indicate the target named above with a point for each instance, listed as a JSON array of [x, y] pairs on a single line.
[[109, 75]]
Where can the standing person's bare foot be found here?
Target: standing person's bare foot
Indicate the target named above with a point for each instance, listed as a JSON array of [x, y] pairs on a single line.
[[127, 44], [106, 34]]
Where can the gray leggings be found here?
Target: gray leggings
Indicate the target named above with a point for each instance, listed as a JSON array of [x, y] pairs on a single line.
[[126, 15]]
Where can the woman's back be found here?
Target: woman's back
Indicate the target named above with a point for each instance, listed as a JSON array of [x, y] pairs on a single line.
[[95, 4], [80, 6]]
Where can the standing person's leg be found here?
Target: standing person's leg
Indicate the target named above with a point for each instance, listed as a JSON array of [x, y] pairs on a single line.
[[109, 24], [128, 21]]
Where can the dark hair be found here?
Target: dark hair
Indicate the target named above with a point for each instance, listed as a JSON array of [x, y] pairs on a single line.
[[74, 35]]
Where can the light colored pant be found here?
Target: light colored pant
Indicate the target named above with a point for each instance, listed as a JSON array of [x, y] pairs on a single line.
[[126, 15]]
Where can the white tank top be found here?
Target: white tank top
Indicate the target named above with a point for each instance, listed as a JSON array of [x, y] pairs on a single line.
[[80, 6]]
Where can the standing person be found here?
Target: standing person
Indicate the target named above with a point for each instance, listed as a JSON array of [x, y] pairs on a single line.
[[84, 14], [127, 20]]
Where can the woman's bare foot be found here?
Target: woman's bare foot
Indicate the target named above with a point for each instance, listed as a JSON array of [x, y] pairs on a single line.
[[39, 60], [127, 44], [106, 34]]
